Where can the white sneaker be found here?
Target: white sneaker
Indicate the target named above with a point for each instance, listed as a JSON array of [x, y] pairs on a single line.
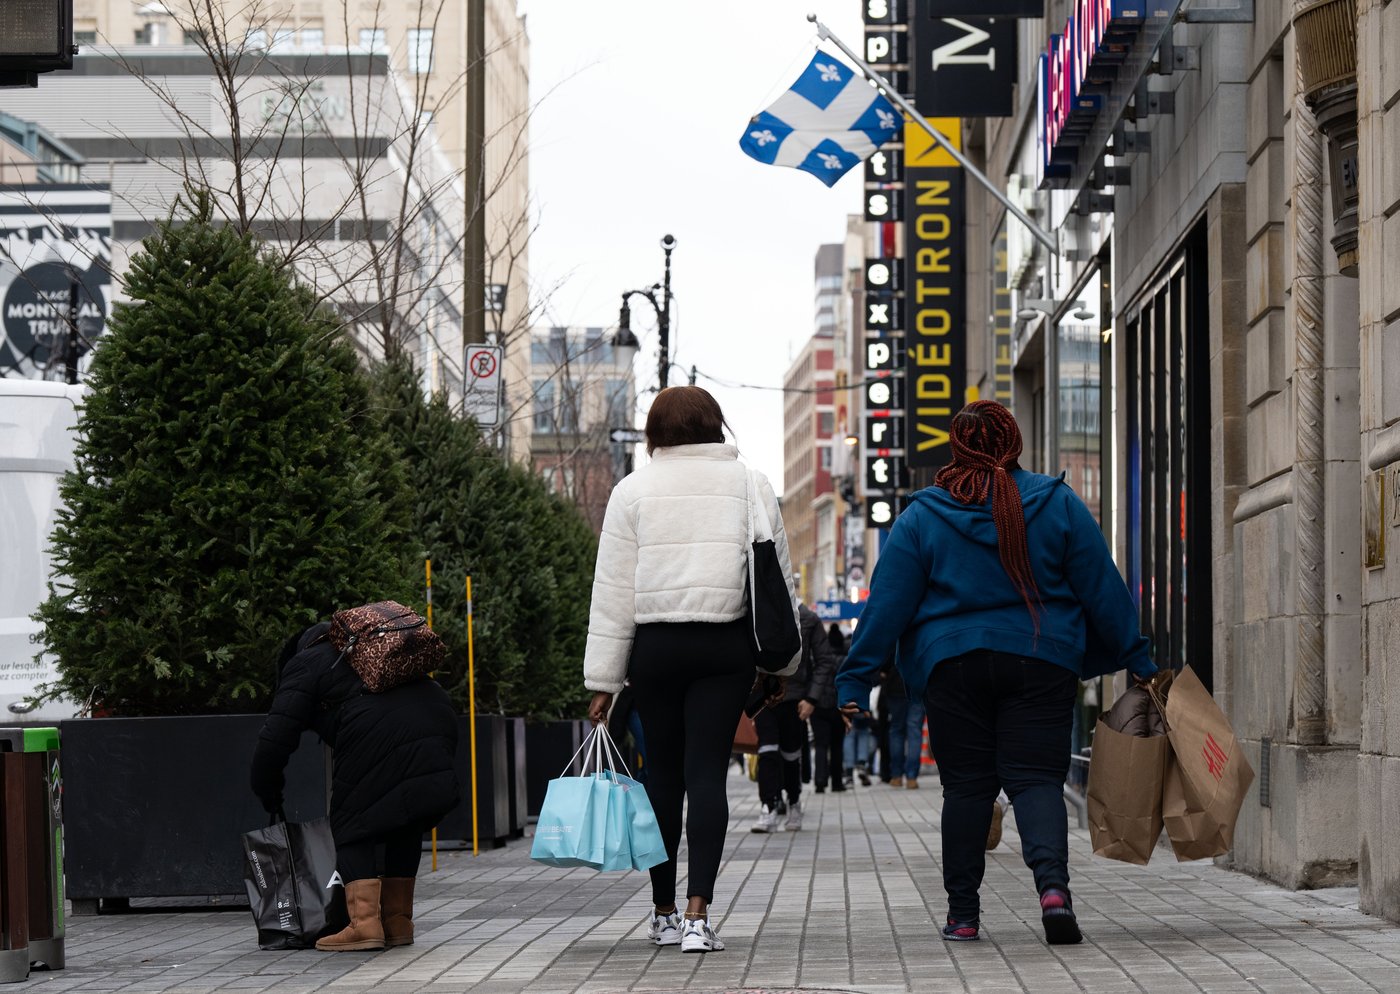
[[698, 937], [767, 821], [665, 930], [794, 817]]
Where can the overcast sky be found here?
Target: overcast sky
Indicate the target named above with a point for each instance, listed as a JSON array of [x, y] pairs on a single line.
[[641, 106]]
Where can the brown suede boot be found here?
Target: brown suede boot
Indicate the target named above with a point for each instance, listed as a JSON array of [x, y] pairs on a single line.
[[365, 930], [396, 909]]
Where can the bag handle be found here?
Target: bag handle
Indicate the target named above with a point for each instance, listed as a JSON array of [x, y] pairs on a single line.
[[585, 744], [1154, 693], [610, 749]]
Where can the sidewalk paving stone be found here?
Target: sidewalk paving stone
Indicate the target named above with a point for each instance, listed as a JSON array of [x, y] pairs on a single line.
[[852, 903]]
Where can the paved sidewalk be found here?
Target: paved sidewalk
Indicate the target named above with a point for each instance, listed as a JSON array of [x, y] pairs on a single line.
[[850, 903]]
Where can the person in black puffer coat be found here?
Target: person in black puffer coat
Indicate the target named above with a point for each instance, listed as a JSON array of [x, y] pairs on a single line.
[[394, 777]]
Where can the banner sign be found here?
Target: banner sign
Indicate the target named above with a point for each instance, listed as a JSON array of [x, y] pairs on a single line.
[[885, 167], [1002, 365], [883, 205], [52, 236], [838, 610], [884, 313], [886, 47], [936, 334], [963, 66], [882, 275], [1086, 75], [885, 473]]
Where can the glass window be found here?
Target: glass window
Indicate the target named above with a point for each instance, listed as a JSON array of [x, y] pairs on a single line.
[[313, 39], [420, 50], [618, 415], [826, 424], [570, 403], [192, 37], [85, 37], [825, 453], [544, 407], [372, 40], [283, 40], [257, 39]]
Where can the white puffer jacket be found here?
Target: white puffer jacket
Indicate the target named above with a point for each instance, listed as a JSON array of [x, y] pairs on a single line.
[[674, 548]]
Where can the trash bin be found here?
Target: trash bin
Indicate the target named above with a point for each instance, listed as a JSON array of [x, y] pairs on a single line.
[[31, 852]]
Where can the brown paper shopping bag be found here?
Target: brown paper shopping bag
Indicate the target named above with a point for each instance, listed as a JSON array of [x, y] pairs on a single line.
[[1126, 770], [1207, 774]]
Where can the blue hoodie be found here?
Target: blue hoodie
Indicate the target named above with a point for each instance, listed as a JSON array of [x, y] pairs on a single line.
[[939, 590]]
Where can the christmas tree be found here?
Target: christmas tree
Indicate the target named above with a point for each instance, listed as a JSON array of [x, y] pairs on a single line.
[[530, 555], [231, 485]]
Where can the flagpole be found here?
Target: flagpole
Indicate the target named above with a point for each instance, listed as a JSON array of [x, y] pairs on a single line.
[[1042, 236]]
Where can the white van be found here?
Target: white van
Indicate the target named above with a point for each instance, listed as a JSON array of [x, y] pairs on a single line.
[[37, 419]]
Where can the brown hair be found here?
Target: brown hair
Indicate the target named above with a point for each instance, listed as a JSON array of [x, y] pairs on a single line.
[[683, 416], [986, 441]]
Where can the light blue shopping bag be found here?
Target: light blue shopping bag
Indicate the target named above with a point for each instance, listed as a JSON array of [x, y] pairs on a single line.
[[601, 818]]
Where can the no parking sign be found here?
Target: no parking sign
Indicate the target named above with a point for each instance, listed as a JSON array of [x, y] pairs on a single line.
[[482, 390]]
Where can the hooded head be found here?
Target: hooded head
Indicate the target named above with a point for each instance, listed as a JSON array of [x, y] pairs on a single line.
[[986, 442]]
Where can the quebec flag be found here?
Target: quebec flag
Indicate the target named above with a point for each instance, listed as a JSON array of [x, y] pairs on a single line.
[[828, 121]]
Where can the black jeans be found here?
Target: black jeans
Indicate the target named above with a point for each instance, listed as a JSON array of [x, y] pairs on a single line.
[[691, 680], [1001, 722], [829, 740], [781, 735], [398, 853]]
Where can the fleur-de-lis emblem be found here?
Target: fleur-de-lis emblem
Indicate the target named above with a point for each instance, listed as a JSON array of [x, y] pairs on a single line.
[[886, 119], [830, 73], [829, 160], [764, 137]]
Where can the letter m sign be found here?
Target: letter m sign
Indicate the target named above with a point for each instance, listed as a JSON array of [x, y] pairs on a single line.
[[963, 66]]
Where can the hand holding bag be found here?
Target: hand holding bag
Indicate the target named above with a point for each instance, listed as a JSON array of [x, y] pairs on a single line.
[[601, 819], [1126, 770], [772, 613]]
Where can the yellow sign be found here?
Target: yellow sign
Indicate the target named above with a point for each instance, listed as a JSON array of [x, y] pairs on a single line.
[[920, 149]]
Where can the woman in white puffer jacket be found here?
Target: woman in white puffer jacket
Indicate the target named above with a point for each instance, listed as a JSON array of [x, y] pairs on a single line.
[[670, 616]]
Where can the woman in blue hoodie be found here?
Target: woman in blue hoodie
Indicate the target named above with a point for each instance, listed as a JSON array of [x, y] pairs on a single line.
[[992, 584]]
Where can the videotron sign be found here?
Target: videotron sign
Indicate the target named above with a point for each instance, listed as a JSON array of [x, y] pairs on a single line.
[[935, 295]]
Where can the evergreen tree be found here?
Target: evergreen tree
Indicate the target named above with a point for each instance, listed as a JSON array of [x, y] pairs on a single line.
[[529, 553], [230, 486]]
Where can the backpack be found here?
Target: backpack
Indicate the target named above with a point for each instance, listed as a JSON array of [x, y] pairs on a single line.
[[387, 644]]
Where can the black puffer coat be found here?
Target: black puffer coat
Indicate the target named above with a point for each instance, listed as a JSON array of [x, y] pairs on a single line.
[[393, 752]]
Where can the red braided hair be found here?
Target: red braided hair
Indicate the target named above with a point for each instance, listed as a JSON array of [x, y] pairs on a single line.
[[986, 441]]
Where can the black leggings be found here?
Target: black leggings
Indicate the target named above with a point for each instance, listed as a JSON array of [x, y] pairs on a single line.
[[401, 850], [691, 680]]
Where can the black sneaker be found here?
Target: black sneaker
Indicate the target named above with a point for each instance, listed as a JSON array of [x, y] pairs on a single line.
[[956, 931], [1057, 916]]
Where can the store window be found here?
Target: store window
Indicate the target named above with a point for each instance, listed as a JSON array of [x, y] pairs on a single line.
[[1167, 399], [1080, 360]]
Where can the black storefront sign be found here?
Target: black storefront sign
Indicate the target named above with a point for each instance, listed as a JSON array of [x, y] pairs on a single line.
[[883, 205], [984, 8], [885, 393], [963, 66], [936, 335], [882, 275], [883, 353], [885, 473], [884, 432], [884, 167], [886, 47], [882, 11], [884, 313], [880, 512]]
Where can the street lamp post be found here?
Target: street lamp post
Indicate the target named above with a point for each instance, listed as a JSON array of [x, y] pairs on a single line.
[[663, 314]]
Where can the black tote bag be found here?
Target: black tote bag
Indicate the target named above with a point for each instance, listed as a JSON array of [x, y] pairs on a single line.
[[776, 637], [295, 892]]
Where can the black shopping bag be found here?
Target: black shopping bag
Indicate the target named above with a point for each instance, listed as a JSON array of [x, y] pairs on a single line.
[[293, 887]]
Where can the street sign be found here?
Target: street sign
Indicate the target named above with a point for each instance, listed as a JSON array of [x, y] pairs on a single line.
[[481, 394], [627, 436]]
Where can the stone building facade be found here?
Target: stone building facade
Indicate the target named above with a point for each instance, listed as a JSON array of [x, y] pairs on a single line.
[[1213, 359]]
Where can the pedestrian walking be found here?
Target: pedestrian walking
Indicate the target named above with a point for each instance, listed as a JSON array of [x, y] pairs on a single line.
[[782, 728], [906, 729], [393, 778], [670, 616], [828, 728], [993, 583]]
